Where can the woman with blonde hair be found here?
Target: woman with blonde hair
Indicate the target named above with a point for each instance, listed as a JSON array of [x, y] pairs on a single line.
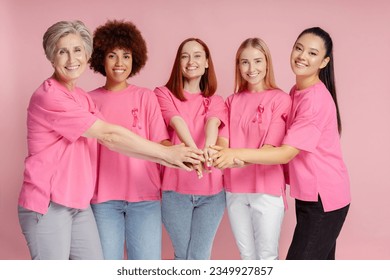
[[255, 193]]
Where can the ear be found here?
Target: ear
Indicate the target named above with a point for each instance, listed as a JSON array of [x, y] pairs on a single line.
[[325, 62], [207, 63]]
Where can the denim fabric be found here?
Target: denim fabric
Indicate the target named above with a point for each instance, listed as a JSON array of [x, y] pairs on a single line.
[[137, 223], [192, 222], [62, 233], [316, 231]]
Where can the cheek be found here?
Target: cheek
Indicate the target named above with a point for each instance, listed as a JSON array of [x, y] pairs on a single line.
[[243, 69]]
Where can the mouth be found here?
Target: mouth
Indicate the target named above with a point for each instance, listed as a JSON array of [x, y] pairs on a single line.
[[253, 75], [300, 64], [72, 67], [119, 71]]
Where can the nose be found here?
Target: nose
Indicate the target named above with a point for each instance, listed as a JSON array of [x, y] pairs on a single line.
[[71, 56], [302, 55], [251, 67], [190, 59], [118, 61]]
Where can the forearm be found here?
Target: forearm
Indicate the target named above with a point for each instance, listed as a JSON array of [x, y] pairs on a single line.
[[124, 141], [184, 134], [211, 131], [267, 155]]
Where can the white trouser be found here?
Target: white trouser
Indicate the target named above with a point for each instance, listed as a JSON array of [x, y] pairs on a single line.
[[256, 221]]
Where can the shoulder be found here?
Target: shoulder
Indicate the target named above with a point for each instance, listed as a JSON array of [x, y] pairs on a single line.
[[231, 97], [217, 97], [96, 91], [162, 90], [143, 91], [49, 92], [280, 93]]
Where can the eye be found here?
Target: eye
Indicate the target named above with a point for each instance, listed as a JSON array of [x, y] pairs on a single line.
[[77, 50], [312, 53], [184, 56], [127, 56], [110, 55], [298, 48], [244, 62], [258, 61]]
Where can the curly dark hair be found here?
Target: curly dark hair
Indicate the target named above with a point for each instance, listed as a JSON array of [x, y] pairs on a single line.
[[118, 34]]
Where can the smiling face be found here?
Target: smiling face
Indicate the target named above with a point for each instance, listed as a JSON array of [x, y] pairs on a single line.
[[308, 58], [193, 61], [253, 68], [118, 66], [69, 60]]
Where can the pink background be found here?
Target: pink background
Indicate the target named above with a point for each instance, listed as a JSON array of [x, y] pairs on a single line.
[[360, 30]]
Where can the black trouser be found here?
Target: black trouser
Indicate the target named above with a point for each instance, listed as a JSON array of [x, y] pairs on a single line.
[[316, 231]]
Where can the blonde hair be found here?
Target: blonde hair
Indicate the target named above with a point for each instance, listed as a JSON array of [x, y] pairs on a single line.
[[269, 79]]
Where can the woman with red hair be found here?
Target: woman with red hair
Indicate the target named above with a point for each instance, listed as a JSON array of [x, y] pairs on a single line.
[[193, 203]]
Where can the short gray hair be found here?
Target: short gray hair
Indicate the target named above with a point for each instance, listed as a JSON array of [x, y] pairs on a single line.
[[61, 29]]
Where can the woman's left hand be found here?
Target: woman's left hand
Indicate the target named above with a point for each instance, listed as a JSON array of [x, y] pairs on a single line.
[[225, 158]]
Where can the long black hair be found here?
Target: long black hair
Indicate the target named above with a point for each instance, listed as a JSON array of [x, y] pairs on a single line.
[[327, 73]]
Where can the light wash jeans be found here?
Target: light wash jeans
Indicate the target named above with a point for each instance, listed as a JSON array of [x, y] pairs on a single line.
[[137, 223], [192, 222], [256, 220], [62, 233]]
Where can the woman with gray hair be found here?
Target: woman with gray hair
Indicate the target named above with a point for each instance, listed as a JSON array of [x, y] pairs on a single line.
[[54, 202]]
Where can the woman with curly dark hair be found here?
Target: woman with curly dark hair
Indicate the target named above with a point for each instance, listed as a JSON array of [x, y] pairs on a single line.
[[62, 121], [127, 198]]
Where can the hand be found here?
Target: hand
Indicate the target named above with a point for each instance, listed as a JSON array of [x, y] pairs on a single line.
[[207, 153], [225, 158], [199, 170], [238, 163], [184, 157]]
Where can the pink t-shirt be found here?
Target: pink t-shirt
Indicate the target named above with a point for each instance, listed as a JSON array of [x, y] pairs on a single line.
[[120, 177], [319, 168], [256, 119], [195, 112], [58, 166]]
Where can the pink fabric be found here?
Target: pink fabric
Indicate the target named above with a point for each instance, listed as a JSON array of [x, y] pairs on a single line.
[[319, 168], [120, 177], [58, 166], [195, 112], [256, 119]]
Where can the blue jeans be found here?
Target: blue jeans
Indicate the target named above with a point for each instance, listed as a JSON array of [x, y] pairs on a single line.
[[139, 223], [192, 222], [316, 231]]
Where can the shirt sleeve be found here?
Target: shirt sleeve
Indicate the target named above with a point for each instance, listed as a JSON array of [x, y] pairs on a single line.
[[158, 130], [168, 108], [63, 113], [304, 133], [277, 129], [218, 109]]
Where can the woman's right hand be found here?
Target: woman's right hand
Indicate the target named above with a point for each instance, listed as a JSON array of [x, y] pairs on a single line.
[[187, 158]]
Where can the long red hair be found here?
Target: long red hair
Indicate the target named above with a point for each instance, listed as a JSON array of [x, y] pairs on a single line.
[[208, 82]]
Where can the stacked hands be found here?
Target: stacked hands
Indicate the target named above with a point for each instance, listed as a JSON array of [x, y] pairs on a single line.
[[193, 159]]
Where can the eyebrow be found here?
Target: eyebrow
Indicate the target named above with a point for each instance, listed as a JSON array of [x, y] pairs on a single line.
[[194, 52], [256, 58], [127, 52], [312, 49]]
